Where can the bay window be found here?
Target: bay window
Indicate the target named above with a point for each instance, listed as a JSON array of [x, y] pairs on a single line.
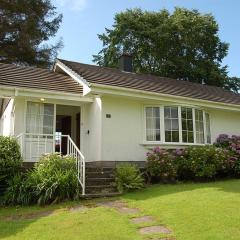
[[174, 124]]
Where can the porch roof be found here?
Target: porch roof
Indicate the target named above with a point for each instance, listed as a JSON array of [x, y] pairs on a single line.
[[37, 78]]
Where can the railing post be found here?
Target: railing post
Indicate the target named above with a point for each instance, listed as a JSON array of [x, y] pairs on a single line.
[[67, 145], [83, 177]]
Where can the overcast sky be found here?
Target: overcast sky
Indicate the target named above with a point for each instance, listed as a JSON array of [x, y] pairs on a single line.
[[84, 19]]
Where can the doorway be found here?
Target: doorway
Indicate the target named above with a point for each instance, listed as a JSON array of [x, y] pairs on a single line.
[[67, 123]]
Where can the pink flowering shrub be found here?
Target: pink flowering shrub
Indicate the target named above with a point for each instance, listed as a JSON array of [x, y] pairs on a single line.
[[160, 165], [192, 163], [232, 145]]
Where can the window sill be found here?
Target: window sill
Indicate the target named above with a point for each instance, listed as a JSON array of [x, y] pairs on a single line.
[[171, 145]]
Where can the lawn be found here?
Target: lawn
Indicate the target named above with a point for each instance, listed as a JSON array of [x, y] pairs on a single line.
[[191, 211]]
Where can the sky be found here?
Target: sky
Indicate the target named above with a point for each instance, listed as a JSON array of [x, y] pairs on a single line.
[[84, 19]]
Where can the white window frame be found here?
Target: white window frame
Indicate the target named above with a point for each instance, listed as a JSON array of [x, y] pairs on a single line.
[[162, 126]]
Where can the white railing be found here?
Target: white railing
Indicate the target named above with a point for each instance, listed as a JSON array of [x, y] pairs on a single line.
[[74, 151], [33, 146]]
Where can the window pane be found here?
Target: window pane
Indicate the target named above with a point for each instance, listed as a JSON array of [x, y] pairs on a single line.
[[39, 118], [199, 126], [153, 123], [190, 137], [168, 137], [174, 112], [171, 124], [175, 136], [208, 133], [175, 124], [187, 125], [167, 113], [149, 112], [167, 123]]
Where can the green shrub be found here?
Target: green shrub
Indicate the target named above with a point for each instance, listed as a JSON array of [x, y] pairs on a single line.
[[53, 179], [10, 158], [202, 162], [160, 165], [128, 177]]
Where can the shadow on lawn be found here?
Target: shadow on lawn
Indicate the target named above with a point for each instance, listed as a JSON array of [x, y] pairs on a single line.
[[13, 223], [158, 190]]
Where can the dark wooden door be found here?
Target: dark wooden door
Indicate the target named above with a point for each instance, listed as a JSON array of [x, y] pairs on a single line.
[[66, 130], [78, 129]]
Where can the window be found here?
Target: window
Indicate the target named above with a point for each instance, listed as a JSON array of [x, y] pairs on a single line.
[[187, 125], [39, 118], [153, 124], [171, 124], [199, 123], [208, 131]]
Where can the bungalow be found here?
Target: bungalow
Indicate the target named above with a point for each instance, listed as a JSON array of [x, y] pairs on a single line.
[[105, 116]]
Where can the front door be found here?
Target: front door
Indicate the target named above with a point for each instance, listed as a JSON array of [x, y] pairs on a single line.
[[63, 127]]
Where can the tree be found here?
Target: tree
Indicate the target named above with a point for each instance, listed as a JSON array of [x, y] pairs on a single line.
[[183, 45], [232, 84], [25, 26]]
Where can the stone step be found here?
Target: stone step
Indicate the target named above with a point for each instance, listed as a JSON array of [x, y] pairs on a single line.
[[100, 189], [100, 169], [100, 195], [99, 174], [98, 181]]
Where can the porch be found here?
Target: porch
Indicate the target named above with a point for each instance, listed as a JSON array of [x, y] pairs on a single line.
[[52, 128]]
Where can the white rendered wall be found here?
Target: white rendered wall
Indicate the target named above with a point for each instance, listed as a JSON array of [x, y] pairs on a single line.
[[123, 133], [227, 122], [92, 130]]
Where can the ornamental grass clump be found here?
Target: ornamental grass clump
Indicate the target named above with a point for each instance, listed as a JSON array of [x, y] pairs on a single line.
[[53, 179], [128, 178]]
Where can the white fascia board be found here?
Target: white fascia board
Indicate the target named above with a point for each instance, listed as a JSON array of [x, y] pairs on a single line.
[[39, 93], [74, 76], [141, 94]]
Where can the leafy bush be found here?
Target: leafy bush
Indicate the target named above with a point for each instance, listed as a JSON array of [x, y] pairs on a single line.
[[160, 165], [10, 158], [128, 177], [51, 180], [204, 162], [191, 163]]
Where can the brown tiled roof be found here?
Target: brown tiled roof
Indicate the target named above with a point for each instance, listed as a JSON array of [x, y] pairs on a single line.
[[37, 78], [150, 83]]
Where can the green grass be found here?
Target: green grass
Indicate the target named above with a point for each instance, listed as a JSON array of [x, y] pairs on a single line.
[[193, 211]]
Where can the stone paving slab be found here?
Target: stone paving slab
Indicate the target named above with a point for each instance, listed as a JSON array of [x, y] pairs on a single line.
[[81, 209], [154, 229], [128, 210], [143, 219], [112, 204]]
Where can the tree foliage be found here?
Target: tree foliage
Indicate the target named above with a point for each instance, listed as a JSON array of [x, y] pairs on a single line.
[[25, 26], [183, 45]]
